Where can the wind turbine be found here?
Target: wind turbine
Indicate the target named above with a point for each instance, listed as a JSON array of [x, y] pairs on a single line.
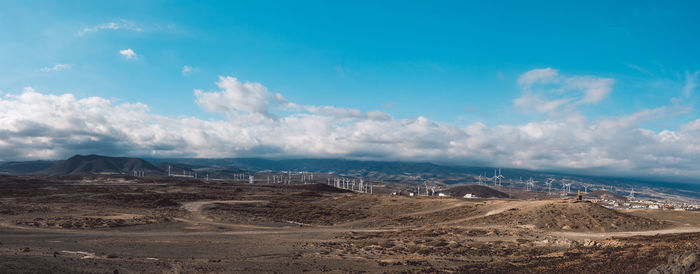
[[565, 189], [549, 185], [500, 177], [495, 178], [632, 194], [521, 181]]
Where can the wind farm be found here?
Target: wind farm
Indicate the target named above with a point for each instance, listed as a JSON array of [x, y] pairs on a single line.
[[190, 218]]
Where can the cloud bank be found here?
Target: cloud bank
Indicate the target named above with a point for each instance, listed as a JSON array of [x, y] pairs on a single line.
[[258, 122]]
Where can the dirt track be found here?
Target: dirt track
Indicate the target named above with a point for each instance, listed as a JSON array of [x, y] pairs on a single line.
[[605, 235]]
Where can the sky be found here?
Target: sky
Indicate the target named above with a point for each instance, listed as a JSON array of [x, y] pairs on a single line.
[[592, 87]]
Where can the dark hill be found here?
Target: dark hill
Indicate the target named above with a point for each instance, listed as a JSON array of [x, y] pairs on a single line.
[[94, 164], [28, 167], [479, 191]]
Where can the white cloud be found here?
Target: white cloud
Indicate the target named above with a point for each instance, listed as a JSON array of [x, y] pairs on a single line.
[[691, 82], [57, 67], [236, 97], [34, 125], [594, 89], [540, 104], [547, 91], [541, 76], [128, 53], [122, 24], [186, 70]]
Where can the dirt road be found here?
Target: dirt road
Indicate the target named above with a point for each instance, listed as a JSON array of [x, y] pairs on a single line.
[[604, 235]]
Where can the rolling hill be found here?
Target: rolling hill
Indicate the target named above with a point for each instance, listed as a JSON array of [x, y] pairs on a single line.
[[28, 167], [97, 164], [388, 171]]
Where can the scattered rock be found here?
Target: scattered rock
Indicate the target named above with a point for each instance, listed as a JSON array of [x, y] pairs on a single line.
[[688, 262], [589, 243]]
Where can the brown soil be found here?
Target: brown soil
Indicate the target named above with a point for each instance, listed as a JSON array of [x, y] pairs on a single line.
[[570, 216], [161, 225], [80, 222]]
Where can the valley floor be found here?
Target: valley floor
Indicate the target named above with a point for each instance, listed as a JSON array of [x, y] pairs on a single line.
[[140, 225]]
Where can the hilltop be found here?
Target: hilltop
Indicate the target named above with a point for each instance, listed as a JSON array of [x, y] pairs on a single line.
[[83, 164], [566, 215]]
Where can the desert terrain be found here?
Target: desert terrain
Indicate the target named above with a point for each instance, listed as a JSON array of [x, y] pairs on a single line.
[[122, 224]]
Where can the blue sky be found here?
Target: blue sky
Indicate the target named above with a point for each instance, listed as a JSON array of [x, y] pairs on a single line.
[[457, 64], [437, 60]]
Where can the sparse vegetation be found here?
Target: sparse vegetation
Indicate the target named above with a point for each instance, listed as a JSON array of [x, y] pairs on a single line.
[[168, 224]]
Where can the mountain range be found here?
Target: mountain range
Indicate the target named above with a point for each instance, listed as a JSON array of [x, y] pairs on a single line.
[[391, 171]]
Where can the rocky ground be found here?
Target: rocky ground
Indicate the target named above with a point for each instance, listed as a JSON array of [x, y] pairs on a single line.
[[120, 224]]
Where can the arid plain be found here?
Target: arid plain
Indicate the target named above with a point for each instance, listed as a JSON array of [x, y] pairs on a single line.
[[166, 225]]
